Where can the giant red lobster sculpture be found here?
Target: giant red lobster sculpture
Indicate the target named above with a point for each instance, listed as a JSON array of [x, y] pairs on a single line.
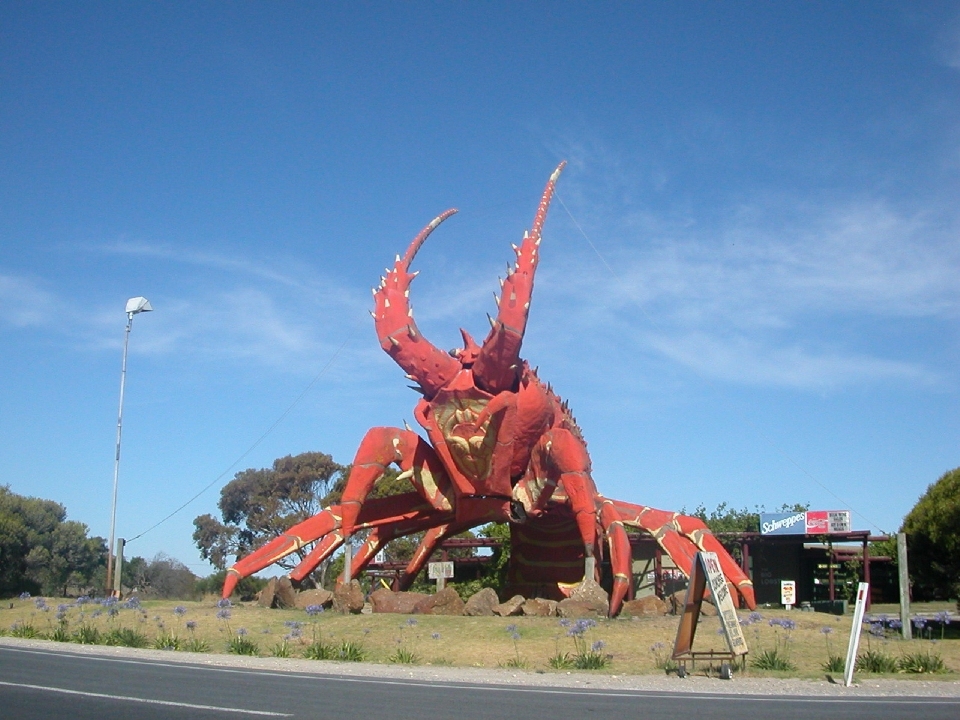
[[502, 448]]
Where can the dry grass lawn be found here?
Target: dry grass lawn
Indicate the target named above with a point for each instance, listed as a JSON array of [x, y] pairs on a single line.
[[635, 646]]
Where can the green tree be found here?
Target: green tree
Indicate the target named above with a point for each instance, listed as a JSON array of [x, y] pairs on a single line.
[[41, 551], [933, 540], [261, 504], [162, 577]]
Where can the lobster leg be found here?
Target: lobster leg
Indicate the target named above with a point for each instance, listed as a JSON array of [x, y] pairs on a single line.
[[681, 536], [561, 458], [433, 537], [417, 460], [621, 555], [325, 526], [498, 365]]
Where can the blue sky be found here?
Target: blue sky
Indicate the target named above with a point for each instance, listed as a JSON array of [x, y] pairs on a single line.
[[748, 294]]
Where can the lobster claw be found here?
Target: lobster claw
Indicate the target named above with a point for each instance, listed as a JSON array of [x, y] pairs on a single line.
[[496, 368]]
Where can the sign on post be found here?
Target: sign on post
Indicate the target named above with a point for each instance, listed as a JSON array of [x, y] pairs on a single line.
[[706, 570], [862, 590], [788, 593], [440, 571]]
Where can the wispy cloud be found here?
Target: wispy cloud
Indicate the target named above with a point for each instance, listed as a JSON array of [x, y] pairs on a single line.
[[199, 258], [791, 294], [24, 302]]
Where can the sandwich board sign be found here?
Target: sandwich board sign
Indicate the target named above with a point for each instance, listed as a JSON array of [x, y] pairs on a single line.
[[707, 572], [788, 593]]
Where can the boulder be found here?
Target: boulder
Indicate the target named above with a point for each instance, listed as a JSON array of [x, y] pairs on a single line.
[[539, 607], [348, 598], [482, 603], [679, 599], [510, 607], [265, 597], [306, 598], [387, 601], [570, 608], [649, 606], [445, 602], [285, 597], [589, 591]]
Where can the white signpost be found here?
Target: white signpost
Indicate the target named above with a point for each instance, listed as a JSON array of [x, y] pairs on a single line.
[[440, 571], [788, 593], [862, 590]]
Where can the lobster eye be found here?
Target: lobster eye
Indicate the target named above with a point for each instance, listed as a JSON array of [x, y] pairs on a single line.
[[455, 352]]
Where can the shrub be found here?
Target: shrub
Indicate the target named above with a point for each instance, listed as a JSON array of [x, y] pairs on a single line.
[[876, 661], [196, 645], [350, 652], [281, 650], [772, 659], [834, 663], [167, 641], [921, 662], [240, 644], [403, 656], [87, 635], [126, 637], [24, 630], [318, 650]]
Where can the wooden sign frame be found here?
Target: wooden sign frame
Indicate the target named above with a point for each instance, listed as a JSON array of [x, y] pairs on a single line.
[[706, 569]]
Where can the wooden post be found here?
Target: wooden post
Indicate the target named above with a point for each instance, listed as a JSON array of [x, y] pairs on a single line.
[[904, 585], [866, 567], [347, 561], [830, 561]]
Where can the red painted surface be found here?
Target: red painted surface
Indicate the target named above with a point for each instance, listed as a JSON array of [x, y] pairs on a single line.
[[503, 447]]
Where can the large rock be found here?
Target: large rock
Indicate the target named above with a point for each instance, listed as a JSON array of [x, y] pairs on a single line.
[[387, 601], [510, 607], [348, 598], [265, 597], [306, 598], [570, 608], [589, 591], [539, 607], [649, 606], [679, 599], [278, 593], [445, 602], [482, 603], [286, 596]]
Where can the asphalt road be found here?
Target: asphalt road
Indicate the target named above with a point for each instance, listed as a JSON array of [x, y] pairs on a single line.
[[54, 683]]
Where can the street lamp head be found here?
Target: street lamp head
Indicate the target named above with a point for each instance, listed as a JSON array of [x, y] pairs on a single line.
[[138, 305]]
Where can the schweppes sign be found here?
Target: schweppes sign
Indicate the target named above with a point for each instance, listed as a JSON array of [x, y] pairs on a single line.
[[811, 522]]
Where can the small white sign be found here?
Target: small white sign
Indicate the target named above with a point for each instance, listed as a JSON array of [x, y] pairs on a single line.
[[863, 590], [437, 570], [788, 593]]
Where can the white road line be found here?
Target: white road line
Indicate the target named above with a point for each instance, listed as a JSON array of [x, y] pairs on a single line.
[[331, 676], [146, 701]]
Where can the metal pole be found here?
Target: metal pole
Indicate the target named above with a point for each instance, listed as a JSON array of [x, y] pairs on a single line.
[[904, 586], [116, 461]]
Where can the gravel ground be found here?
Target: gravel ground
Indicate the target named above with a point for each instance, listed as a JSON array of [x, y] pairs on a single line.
[[697, 684]]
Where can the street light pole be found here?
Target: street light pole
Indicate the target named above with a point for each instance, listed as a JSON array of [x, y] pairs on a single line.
[[134, 306]]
